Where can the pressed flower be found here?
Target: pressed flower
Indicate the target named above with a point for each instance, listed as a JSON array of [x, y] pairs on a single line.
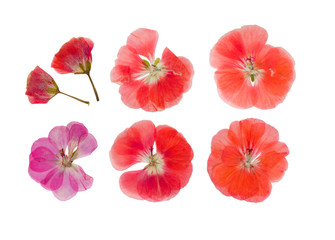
[[166, 171], [41, 87], [246, 158], [150, 83], [75, 57], [249, 71], [51, 160]]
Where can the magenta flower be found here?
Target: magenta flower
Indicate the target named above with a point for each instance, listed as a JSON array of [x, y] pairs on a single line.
[[51, 160]]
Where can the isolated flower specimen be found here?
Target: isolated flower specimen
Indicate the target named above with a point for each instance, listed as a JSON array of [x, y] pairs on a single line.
[[41, 87], [51, 160], [246, 158], [166, 171], [249, 71], [150, 83], [75, 57]]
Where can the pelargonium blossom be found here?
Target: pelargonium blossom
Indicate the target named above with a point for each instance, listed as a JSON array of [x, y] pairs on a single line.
[[75, 57], [249, 71], [41, 87], [246, 158], [150, 83], [166, 171], [51, 160]]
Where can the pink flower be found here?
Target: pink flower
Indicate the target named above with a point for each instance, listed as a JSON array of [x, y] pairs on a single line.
[[41, 87], [75, 57], [51, 160], [150, 83], [249, 71]]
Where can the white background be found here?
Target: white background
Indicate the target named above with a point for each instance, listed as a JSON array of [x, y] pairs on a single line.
[[301, 205]]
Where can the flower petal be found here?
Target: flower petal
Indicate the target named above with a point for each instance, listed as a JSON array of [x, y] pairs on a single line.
[[173, 147], [45, 142], [274, 164], [42, 159], [86, 145], [128, 184], [143, 42], [76, 131], [156, 187], [74, 52], [54, 179], [132, 144], [254, 39], [60, 137]]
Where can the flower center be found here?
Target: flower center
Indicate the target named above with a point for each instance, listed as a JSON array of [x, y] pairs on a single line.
[[155, 163], [65, 160], [250, 160], [251, 70], [153, 71]]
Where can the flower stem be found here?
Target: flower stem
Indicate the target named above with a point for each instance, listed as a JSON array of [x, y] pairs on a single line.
[[88, 103], [95, 91]]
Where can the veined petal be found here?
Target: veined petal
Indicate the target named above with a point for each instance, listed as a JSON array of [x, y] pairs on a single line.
[[76, 131], [132, 144], [42, 160], [54, 179], [60, 137], [143, 42], [45, 142], [254, 39], [86, 145]]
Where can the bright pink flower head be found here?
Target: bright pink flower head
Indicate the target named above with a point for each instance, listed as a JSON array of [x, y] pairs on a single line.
[[40, 86], [150, 83], [51, 160], [74, 56], [166, 171], [250, 72], [246, 158]]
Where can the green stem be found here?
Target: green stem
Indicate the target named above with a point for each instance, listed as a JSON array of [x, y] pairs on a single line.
[[88, 103], [95, 91]]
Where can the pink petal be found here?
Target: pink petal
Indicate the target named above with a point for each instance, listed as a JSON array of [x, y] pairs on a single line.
[[42, 159], [83, 180], [128, 184], [86, 145], [54, 179], [76, 131], [254, 39], [45, 142], [143, 42], [60, 137], [68, 189]]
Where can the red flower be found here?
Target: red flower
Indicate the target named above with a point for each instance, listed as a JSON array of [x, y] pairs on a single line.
[[41, 87], [149, 83], [166, 172], [246, 158], [250, 72], [75, 57]]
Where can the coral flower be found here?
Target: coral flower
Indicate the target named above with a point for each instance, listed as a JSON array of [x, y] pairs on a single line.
[[51, 160], [41, 87], [246, 158], [150, 83], [75, 57], [166, 171], [250, 72]]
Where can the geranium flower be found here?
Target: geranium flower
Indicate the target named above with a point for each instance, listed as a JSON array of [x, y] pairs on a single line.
[[51, 160], [246, 158], [75, 57], [250, 72], [166, 171], [150, 83], [41, 87]]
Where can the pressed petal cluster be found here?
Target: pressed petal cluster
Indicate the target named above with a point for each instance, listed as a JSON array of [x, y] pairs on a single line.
[[150, 83], [246, 158], [51, 160], [249, 71], [166, 171], [74, 56], [40, 86]]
